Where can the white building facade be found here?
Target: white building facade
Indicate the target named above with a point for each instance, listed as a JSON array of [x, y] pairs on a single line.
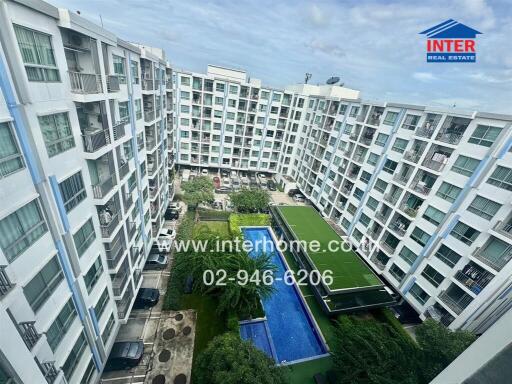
[[84, 183], [430, 189]]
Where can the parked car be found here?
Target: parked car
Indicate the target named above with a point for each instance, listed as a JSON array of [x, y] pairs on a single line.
[[253, 184], [236, 184], [298, 198], [217, 205], [146, 298], [263, 185], [245, 181], [234, 174], [293, 192], [167, 234], [226, 182], [156, 261], [124, 355], [271, 185], [175, 206], [262, 177], [224, 173], [171, 214], [204, 172], [224, 190], [216, 182]]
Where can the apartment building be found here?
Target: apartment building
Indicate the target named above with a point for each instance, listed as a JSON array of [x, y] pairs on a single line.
[[84, 183], [429, 189]]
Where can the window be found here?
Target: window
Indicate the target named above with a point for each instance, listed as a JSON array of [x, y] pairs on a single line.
[[420, 236], [434, 215], [448, 192], [373, 158], [390, 118], [73, 191], [399, 145], [381, 139], [57, 133], [138, 109], [93, 274], [380, 185], [219, 87], [410, 122], [390, 166], [41, 287], [365, 220], [21, 229], [433, 277], [485, 135], [496, 253], [465, 165], [89, 373], [372, 203], [447, 256], [124, 113], [185, 95], [408, 255], [501, 178], [108, 328], [118, 63], [365, 177], [464, 233], [134, 68], [84, 237], [419, 294], [60, 325], [37, 53], [10, 157], [74, 356], [396, 272], [233, 89], [484, 207], [100, 306], [185, 80]]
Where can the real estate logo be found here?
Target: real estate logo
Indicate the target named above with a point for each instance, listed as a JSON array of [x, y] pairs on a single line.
[[451, 42]]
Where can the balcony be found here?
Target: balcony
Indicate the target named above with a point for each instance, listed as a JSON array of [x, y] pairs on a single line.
[[113, 83], [401, 178], [412, 156], [439, 314], [95, 140], [455, 298], [495, 253], [380, 260], [134, 254], [29, 333], [120, 280], [421, 187], [115, 250], [131, 228], [473, 277], [49, 371], [108, 228], [5, 283], [124, 168], [425, 131], [102, 188], [149, 115], [119, 129], [504, 227], [127, 201], [85, 83], [410, 211], [137, 276], [124, 304], [399, 227], [391, 198], [148, 84]]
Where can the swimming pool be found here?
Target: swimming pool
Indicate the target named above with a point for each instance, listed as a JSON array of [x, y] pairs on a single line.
[[291, 332]]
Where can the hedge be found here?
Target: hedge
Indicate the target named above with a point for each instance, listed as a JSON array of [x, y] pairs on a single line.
[[237, 220]]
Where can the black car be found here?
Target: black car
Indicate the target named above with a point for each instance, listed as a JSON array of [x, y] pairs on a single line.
[[125, 355], [271, 185], [146, 298], [293, 192], [171, 214]]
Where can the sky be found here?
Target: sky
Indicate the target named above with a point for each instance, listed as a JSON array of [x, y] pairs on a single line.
[[373, 46]]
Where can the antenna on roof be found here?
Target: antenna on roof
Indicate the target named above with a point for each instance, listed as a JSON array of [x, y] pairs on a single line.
[[308, 77], [332, 80]]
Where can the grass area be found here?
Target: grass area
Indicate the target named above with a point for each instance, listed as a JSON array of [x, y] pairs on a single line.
[[209, 324], [349, 271], [302, 373], [237, 220], [220, 228]]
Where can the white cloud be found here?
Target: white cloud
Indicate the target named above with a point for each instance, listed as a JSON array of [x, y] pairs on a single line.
[[317, 16], [424, 76]]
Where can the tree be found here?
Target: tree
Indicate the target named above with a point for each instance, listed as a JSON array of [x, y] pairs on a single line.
[[368, 352], [440, 346], [197, 191], [250, 201], [230, 360], [242, 299]]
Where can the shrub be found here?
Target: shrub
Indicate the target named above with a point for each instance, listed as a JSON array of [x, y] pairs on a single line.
[[237, 220]]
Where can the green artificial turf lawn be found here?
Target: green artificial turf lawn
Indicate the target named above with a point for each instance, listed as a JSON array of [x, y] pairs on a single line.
[[348, 270]]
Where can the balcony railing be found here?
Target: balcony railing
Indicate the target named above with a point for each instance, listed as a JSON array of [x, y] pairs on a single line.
[[434, 164], [124, 304], [124, 169], [496, 264], [113, 83], [401, 179], [115, 251], [96, 140], [411, 212], [49, 371], [149, 116], [412, 156], [127, 201], [103, 187], [137, 276], [119, 129], [504, 228], [85, 83], [456, 304], [474, 285], [148, 85], [390, 198], [132, 228], [387, 247], [449, 137], [119, 282], [108, 229], [425, 132], [382, 217], [379, 263], [443, 318], [134, 254], [421, 188], [29, 333], [5, 283]]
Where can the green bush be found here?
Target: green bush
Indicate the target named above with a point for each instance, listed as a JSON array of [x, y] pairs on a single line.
[[237, 220], [386, 316], [211, 214]]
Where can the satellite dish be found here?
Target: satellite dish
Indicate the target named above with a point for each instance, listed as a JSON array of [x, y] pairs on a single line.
[[332, 80]]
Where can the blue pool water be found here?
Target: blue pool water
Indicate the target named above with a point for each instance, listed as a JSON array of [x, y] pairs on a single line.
[[292, 332], [257, 332]]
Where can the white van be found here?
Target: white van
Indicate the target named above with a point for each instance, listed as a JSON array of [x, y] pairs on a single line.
[[186, 175]]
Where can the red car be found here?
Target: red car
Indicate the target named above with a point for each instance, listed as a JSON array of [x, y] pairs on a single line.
[[216, 182]]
